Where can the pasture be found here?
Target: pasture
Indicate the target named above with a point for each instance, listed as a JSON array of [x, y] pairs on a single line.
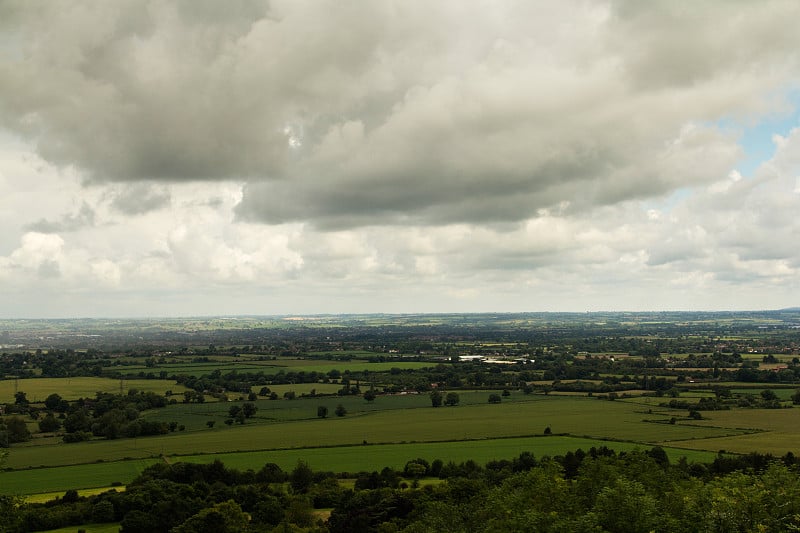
[[376, 423], [351, 459], [37, 389], [267, 366], [390, 431]]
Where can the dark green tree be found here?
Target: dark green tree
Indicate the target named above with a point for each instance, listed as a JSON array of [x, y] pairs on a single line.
[[249, 409], [436, 399], [301, 478], [49, 424]]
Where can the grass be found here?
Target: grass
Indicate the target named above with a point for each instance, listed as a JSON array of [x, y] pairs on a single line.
[[49, 483], [48, 480], [374, 457], [43, 497], [779, 431], [406, 426], [37, 389], [268, 366], [89, 528], [574, 415]]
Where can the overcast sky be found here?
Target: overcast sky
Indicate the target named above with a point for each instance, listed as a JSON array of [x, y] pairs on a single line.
[[162, 158]]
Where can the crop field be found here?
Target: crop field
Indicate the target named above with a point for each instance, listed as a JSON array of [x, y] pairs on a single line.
[[37, 389]]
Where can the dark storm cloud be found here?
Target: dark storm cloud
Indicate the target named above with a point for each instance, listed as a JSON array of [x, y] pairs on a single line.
[[346, 114]]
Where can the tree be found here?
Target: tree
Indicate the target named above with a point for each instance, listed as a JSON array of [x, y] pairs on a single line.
[[210, 424], [796, 397], [322, 411], [16, 429], [452, 399], [301, 478], [20, 398], [249, 409], [436, 399], [225, 517], [9, 510], [49, 423], [340, 410], [54, 402], [370, 395], [769, 395], [495, 398]]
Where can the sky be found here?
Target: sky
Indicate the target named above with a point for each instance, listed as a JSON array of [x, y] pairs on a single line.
[[198, 157]]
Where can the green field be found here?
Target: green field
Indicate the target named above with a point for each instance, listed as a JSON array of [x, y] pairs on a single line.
[[350, 459], [579, 416], [40, 480], [396, 428], [37, 389], [268, 366]]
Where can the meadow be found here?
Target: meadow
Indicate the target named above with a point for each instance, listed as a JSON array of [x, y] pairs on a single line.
[[388, 431], [349, 459], [37, 389], [268, 366]]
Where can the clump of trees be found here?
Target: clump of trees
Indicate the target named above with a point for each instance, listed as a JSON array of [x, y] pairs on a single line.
[[113, 416]]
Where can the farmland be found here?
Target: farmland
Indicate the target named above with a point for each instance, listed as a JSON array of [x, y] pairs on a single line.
[[354, 394]]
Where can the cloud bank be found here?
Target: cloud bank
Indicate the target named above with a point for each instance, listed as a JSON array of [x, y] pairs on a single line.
[[495, 154]]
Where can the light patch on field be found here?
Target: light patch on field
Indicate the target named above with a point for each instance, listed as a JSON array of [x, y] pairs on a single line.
[[37, 389], [44, 497]]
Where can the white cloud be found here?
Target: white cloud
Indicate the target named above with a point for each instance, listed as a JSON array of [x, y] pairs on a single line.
[[397, 156]]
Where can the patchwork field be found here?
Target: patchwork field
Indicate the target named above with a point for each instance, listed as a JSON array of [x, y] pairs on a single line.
[[394, 429]]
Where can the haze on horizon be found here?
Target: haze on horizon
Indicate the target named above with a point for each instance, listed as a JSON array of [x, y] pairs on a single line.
[[184, 158]]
